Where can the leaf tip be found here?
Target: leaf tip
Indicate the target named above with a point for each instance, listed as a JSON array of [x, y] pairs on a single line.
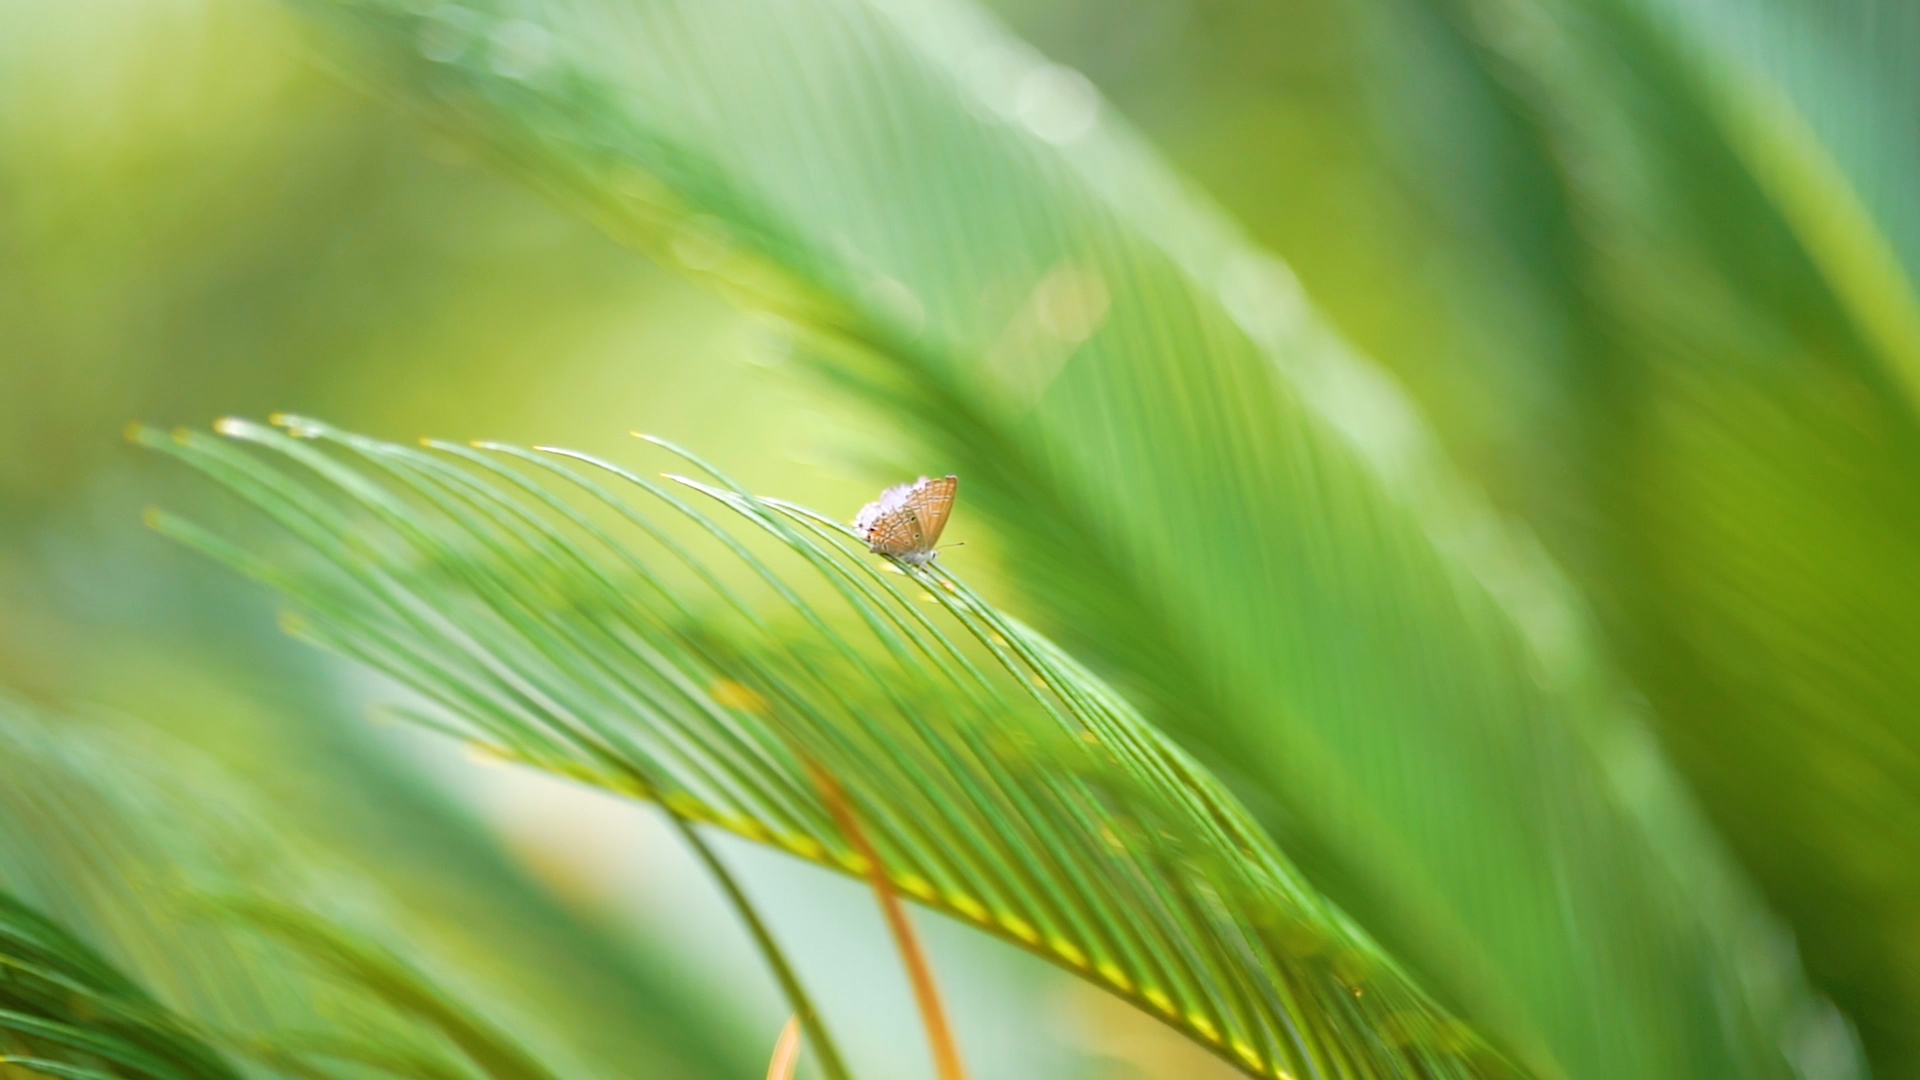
[[1203, 1026], [786, 1051], [300, 427]]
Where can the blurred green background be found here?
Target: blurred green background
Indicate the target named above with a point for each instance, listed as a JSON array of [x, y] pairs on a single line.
[[1605, 278]]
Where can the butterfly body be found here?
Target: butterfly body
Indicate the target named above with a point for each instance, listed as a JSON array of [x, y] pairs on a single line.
[[906, 521]]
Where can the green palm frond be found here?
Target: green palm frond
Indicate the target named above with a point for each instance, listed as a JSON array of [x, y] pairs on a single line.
[[198, 938], [536, 599], [1209, 495], [365, 963], [65, 1011]]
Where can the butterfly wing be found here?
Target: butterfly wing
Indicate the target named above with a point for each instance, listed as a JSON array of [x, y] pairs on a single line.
[[906, 521], [897, 532], [931, 502]]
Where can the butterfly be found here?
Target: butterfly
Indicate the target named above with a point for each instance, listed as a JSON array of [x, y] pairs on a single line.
[[906, 521]]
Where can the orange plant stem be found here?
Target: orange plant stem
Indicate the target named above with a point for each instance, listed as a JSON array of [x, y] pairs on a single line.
[[940, 1040], [786, 1052]]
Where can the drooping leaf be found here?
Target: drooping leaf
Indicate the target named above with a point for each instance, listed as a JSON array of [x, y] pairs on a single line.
[[560, 623]]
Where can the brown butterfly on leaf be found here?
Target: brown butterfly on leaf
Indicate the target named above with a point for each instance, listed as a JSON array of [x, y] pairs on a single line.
[[906, 521]]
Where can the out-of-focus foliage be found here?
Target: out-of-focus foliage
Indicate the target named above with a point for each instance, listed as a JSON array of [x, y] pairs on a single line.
[[194, 214], [1741, 344], [261, 951], [1671, 247], [1644, 267], [62, 1007]]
